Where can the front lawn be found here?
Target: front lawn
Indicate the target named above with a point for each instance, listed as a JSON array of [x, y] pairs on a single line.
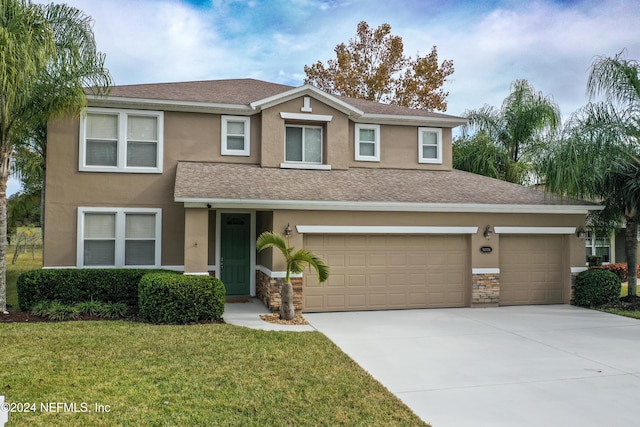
[[196, 375]]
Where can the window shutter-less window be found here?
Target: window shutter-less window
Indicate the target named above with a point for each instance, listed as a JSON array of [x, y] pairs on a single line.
[[142, 141], [102, 140], [99, 234], [140, 239]]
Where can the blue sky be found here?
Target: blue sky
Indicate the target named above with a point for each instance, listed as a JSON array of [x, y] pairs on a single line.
[[491, 43]]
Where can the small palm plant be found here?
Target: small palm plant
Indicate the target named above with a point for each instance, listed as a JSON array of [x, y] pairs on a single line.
[[296, 262]]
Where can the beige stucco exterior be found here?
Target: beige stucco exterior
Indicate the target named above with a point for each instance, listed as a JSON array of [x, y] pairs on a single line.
[[190, 233]]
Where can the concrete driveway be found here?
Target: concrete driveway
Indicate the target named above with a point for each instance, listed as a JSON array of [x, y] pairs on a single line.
[[555, 365]]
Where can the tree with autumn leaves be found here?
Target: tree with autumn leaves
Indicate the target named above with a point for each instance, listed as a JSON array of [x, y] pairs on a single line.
[[373, 66]]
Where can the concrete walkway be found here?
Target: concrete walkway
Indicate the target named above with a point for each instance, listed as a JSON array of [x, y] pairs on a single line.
[[248, 314]]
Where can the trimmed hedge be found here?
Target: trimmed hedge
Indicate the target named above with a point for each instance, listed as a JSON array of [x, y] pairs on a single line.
[[73, 286], [180, 299], [595, 287]]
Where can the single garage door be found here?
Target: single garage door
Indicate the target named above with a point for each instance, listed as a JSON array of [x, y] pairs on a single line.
[[531, 269], [377, 272]]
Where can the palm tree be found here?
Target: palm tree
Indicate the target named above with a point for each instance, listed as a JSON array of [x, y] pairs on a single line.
[[296, 262], [517, 129], [597, 155], [47, 54]]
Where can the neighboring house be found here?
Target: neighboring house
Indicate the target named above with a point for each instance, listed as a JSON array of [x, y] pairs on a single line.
[[185, 176]]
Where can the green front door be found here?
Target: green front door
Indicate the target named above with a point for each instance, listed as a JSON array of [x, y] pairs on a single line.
[[235, 253]]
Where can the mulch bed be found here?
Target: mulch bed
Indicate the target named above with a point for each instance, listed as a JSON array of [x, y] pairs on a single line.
[[630, 303], [275, 318]]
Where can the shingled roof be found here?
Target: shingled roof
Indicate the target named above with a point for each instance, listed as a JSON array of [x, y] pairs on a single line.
[[245, 92], [361, 188]]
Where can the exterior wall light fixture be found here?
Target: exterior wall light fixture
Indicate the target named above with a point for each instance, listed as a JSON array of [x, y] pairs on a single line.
[[487, 232]]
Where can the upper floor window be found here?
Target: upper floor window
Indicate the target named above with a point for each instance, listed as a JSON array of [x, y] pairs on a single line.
[[367, 141], [303, 144], [429, 145], [119, 237], [121, 141], [235, 136]]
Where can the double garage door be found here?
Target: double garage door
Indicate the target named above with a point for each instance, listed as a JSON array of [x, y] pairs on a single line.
[[376, 272]]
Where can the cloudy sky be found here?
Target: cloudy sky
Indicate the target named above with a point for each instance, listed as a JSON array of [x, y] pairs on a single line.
[[491, 42]]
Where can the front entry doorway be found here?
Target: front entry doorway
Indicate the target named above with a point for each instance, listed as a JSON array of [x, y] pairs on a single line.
[[235, 252]]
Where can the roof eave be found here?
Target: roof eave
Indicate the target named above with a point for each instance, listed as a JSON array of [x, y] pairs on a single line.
[[322, 205], [391, 119], [169, 105]]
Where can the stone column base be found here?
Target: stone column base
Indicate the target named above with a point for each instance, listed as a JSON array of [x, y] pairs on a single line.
[[268, 291], [485, 290]]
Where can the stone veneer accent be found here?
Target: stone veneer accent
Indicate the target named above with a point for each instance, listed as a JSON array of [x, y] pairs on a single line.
[[268, 291], [485, 288]]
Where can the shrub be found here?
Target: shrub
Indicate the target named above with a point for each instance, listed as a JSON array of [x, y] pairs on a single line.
[[619, 270], [595, 287], [73, 286], [54, 310], [180, 299]]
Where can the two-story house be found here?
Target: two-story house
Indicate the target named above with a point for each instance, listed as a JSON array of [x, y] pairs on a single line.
[[185, 176]]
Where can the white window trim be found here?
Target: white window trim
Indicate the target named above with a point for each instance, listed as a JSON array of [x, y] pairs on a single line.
[[293, 162], [119, 235], [122, 141], [224, 150], [438, 132], [376, 142]]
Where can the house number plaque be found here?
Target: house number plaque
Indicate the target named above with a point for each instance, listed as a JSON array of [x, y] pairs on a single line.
[[486, 249]]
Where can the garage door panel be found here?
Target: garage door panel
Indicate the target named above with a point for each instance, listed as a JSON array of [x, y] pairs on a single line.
[[389, 271], [531, 269]]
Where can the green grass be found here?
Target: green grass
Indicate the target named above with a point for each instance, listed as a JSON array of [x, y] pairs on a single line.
[[196, 375], [24, 263]]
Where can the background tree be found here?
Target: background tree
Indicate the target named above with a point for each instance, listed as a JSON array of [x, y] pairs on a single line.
[[373, 67], [479, 154], [47, 55], [597, 156], [517, 129], [296, 262]]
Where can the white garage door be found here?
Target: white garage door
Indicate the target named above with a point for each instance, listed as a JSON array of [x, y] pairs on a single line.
[[376, 272], [531, 270]]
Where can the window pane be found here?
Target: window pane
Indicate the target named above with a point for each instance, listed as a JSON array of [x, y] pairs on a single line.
[[101, 153], [235, 128], [99, 225], [141, 226], [367, 149], [142, 154], [140, 252], [429, 152], [142, 128], [293, 144], [367, 135], [313, 145], [429, 138], [235, 143], [102, 126], [99, 252]]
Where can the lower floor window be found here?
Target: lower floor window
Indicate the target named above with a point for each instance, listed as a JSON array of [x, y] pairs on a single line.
[[599, 246], [119, 237]]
